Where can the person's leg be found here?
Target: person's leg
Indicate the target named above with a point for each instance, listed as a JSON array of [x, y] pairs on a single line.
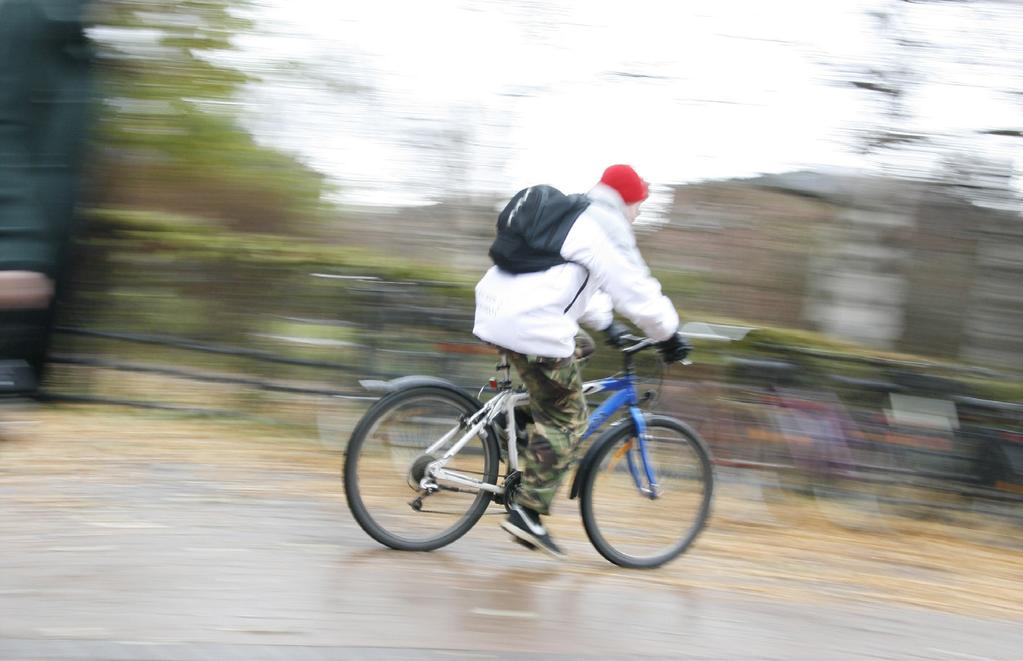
[[559, 419], [25, 300]]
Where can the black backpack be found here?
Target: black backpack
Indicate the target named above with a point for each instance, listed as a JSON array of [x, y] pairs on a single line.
[[532, 228]]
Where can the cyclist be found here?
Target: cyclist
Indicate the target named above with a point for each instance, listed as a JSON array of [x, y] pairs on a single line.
[[560, 260]]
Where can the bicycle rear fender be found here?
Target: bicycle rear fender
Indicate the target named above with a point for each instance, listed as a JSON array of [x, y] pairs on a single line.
[[406, 382], [388, 389]]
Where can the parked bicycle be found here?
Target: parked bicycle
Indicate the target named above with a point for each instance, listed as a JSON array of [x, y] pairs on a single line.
[[802, 442], [425, 461]]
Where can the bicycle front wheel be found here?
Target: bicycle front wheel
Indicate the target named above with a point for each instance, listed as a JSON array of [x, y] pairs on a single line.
[[387, 457], [629, 527]]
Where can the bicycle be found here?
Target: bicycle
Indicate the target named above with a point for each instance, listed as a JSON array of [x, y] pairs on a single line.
[[431, 438], [804, 444]]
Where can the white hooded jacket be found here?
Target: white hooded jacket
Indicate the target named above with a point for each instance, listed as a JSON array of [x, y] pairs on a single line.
[[539, 313]]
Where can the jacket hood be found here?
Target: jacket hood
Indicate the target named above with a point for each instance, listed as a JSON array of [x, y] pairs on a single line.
[[607, 196]]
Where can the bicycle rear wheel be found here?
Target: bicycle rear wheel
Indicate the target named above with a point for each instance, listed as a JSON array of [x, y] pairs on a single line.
[[387, 455], [628, 527]]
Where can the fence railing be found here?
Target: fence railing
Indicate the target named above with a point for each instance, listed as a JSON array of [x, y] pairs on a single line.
[[105, 362]]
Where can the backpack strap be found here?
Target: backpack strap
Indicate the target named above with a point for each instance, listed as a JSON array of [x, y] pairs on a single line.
[[575, 298]]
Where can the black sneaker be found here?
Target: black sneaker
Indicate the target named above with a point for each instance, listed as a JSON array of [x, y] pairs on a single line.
[[525, 525], [523, 543]]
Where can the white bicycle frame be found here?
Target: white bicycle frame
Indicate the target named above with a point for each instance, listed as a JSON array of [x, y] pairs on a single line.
[[505, 401]]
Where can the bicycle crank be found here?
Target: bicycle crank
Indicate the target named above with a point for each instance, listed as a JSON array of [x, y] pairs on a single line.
[[511, 487]]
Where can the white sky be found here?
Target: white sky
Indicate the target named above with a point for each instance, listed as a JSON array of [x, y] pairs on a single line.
[[730, 88]]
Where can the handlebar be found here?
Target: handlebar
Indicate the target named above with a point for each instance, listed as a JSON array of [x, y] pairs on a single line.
[[693, 330], [639, 344]]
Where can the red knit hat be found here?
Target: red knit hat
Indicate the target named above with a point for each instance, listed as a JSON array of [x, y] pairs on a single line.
[[624, 179]]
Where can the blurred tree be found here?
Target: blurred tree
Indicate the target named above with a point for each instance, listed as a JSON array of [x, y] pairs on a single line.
[[170, 136], [891, 78], [919, 45]]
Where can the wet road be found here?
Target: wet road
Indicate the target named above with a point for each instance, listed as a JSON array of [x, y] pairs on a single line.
[[131, 538]]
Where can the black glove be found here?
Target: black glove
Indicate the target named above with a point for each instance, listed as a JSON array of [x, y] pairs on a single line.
[[614, 335], [674, 349]]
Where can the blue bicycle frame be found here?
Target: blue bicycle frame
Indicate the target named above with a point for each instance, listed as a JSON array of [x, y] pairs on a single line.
[[624, 389]]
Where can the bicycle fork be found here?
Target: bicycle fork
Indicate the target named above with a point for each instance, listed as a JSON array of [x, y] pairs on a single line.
[[651, 490], [642, 471]]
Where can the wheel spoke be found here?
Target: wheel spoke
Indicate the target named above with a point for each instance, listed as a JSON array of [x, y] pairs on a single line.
[[386, 461], [628, 526]]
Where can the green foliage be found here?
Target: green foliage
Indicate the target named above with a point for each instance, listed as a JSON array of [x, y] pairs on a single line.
[[169, 132], [677, 285], [188, 238]]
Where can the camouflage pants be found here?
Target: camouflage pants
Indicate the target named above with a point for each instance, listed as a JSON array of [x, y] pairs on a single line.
[[558, 406]]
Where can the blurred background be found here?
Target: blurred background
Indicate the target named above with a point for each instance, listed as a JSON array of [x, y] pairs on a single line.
[[282, 199]]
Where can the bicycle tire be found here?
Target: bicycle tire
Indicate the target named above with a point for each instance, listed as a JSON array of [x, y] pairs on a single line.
[[383, 526], [599, 531]]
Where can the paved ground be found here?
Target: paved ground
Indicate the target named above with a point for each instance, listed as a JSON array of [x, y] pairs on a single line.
[[130, 537]]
